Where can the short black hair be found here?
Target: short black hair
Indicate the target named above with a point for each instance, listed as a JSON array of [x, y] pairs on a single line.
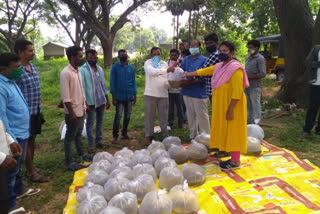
[[21, 45], [174, 51], [7, 58], [229, 44], [155, 48], [255, 43], [211, 37], [73, 51], [91, 51], [186, 52], [120, 51]]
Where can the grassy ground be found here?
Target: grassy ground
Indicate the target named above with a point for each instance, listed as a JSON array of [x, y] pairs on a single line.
[[282, 131]]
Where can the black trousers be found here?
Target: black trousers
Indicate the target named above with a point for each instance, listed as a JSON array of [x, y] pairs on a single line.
[[4, 202], [175, 100], [314, 105]]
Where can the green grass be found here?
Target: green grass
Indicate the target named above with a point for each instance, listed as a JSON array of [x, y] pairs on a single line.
[[50, 154]]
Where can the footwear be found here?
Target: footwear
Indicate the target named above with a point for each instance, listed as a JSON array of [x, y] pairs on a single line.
[[220, 154], [19, 210], [28, 193], [41, 179], [91, 149], [147, 140], [228, 165], [87, 157], [213, 150], [126, 137], [74, 167], [114, 140], [304, 135], [101, 145]]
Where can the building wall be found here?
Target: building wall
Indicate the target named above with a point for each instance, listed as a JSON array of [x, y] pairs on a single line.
[[51, 50]]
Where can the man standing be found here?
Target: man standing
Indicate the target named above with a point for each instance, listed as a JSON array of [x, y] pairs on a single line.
[[29, 84], [15, 115], [123, 88], [256, 70], [75, 106], [211, 42], [96, 92], [156, 93], [313, 68], [194, 92]]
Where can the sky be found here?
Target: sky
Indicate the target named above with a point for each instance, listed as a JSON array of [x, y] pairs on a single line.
[[160, 19]]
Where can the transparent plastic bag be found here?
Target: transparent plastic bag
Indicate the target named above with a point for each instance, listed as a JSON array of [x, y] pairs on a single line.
[[102, 156], [124, 153], [142, 151], [111, 210], [101, 165], [97, 177], [122, 172], [145, 168], [118, 163], [92, 205], [142, 185], [156, 145], [171, 140], [156, 202], [140, 158], [204, 139], [255, 131], [254, 146], [170, 177], [184, 199], [164, 162], [126, 201], [89, 189], [197, 152], [157, 154], [115, 186], [178, 153], [194, 174]]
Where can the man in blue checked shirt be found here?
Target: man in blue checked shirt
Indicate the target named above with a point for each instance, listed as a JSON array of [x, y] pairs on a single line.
[[123, 88], [96, 92], [211, 42], [29, 83]]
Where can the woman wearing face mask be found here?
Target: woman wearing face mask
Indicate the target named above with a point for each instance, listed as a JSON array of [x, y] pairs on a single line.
[[229, 105]]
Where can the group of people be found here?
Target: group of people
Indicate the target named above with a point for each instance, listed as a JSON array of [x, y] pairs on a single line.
[[84, 95]]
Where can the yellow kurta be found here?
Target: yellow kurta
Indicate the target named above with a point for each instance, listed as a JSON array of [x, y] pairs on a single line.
[[228, 135]]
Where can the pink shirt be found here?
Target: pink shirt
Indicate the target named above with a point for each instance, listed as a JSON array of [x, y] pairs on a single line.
[[71, 90]]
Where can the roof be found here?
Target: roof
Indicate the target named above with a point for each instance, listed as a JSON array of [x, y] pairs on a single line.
[[270, 39], [58, 44]]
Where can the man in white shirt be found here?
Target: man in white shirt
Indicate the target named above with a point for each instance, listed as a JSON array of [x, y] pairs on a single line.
[[7, 148], [156, 93]]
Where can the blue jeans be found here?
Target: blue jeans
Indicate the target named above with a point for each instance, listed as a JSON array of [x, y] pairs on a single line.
[[253, 105], [127, 106], [74, 132], [99, 112], [14, 178]]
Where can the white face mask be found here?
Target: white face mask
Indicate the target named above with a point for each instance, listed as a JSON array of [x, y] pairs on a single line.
[[251, 51]]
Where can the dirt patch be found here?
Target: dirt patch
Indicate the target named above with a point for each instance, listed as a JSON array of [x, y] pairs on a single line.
[[270, 91]]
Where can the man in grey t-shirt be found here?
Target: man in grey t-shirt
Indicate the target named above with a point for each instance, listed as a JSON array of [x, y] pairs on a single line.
[[256, 70]]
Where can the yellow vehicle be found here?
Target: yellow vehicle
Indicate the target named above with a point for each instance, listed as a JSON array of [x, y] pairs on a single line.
[[273, 52]]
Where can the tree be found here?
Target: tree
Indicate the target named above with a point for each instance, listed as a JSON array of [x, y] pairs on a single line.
[[14, 18], [96, 14], [299, 32]]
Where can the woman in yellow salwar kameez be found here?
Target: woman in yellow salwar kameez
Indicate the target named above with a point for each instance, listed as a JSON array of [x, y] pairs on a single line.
[[229, 105]]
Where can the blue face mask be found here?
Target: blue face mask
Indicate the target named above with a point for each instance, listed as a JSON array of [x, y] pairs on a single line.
[[156, 61], [194, 51], [223, 56]]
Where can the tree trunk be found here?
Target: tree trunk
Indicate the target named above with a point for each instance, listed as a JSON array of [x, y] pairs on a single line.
[[295, 22], [189, 34], [177, 38], [107, 43]]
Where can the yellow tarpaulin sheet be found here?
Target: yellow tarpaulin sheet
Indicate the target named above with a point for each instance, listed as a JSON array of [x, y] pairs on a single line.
[[275, 182]]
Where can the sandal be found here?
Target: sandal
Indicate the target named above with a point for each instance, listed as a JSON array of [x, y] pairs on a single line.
[[19, 210], [228, 165], [28, 193], [220, 154], [42, 178]]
